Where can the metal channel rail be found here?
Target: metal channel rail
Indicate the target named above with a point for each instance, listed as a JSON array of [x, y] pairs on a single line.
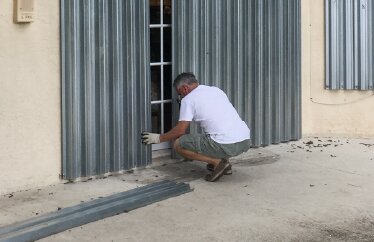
[[67, 218]]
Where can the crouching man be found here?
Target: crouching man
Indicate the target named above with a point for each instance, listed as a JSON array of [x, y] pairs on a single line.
[[225, 133]]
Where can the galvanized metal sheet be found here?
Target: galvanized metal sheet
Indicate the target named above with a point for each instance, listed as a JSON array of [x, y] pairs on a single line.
[[48, 224], [105, 85], [252, 50], [349, 44]]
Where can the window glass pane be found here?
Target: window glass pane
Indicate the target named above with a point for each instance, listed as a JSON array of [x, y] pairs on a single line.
[[156, 118], [168, 82], [167, 117], [155, 83], [155, 37], [167, 11], [154, 12], [167, 44]]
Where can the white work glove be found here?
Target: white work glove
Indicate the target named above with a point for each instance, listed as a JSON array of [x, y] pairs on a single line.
[[150, 138]]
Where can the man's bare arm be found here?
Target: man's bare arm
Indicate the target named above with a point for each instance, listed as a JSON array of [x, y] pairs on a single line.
[[176, 132]]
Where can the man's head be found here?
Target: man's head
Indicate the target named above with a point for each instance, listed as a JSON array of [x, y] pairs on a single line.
[[184, 83]]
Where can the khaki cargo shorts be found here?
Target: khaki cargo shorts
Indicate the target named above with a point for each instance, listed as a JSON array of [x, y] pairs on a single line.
[[203, 144]]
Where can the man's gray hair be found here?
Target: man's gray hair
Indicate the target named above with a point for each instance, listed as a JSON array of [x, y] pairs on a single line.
[[185, 78]]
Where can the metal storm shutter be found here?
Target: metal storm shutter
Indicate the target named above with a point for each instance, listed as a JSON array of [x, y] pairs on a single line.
[[349, 44], [105, 86], [252, 50]]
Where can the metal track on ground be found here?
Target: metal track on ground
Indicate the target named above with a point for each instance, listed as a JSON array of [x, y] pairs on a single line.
[[52, 223]]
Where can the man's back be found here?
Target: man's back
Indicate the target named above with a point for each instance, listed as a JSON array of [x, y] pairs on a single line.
[[210, 107]]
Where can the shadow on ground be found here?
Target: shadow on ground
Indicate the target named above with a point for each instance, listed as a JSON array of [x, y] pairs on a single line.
[[360, 229], [186, 171]]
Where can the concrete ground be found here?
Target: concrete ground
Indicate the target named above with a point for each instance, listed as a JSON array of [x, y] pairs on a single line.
[[316, 189]]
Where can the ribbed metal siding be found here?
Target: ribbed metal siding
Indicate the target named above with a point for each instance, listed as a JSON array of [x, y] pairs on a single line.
[[105, 85], [251, 49], [349, 44]]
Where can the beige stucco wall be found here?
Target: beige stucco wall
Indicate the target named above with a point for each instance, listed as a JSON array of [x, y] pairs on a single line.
[[326, 112], [30, 112]]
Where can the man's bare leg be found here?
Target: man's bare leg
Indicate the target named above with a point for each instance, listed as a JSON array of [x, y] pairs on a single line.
[[195, 156]]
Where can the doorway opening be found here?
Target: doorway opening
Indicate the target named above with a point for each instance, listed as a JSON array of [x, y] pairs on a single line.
[[160, 62]]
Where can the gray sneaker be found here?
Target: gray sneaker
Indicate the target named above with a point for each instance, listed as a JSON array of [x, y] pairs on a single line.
[[210, 167], [220, 169]]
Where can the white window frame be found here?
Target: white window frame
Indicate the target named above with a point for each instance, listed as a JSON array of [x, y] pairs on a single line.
[[161, 64]]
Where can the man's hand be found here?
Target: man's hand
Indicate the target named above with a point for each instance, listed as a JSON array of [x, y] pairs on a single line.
[[150, 138]]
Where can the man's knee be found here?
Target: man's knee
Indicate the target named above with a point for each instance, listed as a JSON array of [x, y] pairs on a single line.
[[176, 145]]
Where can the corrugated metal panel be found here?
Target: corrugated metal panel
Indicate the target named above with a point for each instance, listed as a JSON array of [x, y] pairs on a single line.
[[251, 49], [105, 83], [51, 223], [349, 44]]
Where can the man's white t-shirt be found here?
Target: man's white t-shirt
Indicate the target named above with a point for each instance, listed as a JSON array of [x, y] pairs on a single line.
[[210, 107]]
